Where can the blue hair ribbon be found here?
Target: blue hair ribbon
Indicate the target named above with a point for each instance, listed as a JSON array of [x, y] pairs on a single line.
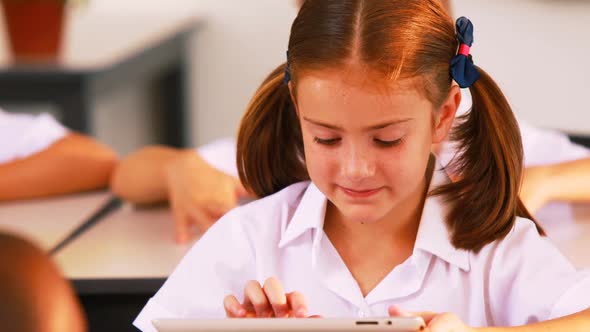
[[463, 71]]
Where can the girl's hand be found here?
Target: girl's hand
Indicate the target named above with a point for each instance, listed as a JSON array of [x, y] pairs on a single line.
[[445, 322], [267, 301], [199, 194]]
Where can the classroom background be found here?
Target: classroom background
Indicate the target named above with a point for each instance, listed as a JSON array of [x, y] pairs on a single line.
[[537, 50], [138, 72]]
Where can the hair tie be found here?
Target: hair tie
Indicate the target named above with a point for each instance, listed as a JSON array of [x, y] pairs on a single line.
[[287, 71], [463, 71]]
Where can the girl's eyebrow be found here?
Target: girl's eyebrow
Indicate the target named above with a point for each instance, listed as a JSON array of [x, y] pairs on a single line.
[[374, 127]]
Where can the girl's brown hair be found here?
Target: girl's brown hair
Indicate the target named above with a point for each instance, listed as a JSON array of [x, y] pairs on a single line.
[[399, 39]]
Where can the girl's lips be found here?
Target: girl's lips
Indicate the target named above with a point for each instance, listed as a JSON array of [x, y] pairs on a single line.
[[360, 193]]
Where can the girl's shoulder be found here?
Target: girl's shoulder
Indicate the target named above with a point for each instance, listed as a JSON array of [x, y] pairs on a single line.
[[525, 246]]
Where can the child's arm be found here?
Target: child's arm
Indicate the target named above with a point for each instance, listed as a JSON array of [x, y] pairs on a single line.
[[140, 177], [198, 192], [567, 181], [72, 164]]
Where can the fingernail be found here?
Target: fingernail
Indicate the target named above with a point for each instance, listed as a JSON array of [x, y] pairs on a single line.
[[302, 313], [239, 310]]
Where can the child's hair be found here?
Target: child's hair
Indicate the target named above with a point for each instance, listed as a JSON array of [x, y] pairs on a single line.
[[399, 39]]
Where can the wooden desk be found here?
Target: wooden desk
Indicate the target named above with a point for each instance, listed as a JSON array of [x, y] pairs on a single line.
[[48, 221], [101, 54]]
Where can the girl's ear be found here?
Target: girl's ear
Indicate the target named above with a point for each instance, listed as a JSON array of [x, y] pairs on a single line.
[[445, 116], [293, 100]]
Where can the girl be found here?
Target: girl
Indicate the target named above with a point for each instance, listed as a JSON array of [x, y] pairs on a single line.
[[358, 218]]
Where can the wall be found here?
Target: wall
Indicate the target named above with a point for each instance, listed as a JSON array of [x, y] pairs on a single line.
[[537, 50]]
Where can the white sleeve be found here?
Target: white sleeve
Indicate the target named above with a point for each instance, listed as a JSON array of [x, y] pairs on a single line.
[[221, 154], [531, 281], [545, 146], [25, 135], [219, 264], [540, 146]]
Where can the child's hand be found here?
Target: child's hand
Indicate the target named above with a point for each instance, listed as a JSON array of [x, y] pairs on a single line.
[[445, 322], [199, 194], [267, 301], [535, 190]]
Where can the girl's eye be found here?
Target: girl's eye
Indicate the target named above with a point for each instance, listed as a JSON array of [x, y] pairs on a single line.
[[388, 143], [330, 141]]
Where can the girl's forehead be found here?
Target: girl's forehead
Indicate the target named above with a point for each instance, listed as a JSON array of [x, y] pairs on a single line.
[[343, 89]]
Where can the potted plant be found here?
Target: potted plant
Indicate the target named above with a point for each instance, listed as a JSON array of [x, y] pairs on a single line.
[[34, 28]]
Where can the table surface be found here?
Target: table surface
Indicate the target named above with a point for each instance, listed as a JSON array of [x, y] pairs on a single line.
[[48, 221], [128, 244]]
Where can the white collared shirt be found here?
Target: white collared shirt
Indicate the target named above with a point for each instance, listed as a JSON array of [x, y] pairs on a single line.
[[520, 279], [23, 135]]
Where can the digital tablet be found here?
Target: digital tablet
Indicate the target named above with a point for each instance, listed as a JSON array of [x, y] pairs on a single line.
[[397, 324]]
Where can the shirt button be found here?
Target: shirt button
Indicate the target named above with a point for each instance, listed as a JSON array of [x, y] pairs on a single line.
[[362, 314]]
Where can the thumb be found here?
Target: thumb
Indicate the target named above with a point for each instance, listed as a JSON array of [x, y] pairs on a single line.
[[395, 311]]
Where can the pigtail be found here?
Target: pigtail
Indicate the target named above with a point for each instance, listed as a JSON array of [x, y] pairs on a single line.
[[489, 165], [270, 146]]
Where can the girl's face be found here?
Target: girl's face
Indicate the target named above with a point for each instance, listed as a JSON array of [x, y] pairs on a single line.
[[366, 145]]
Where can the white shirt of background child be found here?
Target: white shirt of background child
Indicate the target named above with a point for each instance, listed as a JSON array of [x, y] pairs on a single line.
[[520, 279], [540, 146], [23, 134]]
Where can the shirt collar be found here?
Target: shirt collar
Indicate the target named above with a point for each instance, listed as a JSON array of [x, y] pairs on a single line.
[[433, 236], [309, 214]]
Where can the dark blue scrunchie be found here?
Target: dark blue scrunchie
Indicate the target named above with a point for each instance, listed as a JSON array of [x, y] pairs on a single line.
[[463, 71], [287, 71]]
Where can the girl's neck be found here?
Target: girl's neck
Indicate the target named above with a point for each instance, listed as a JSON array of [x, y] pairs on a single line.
[[371, 251]]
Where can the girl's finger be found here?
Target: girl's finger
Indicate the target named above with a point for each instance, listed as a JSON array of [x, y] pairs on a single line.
[[201, 219], [254, 298], [233, 308], [395, 311], [297, 305], [276, 295]]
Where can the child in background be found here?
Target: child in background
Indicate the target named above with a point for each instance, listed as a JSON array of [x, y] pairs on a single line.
[[357, 216], [40, 158]]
